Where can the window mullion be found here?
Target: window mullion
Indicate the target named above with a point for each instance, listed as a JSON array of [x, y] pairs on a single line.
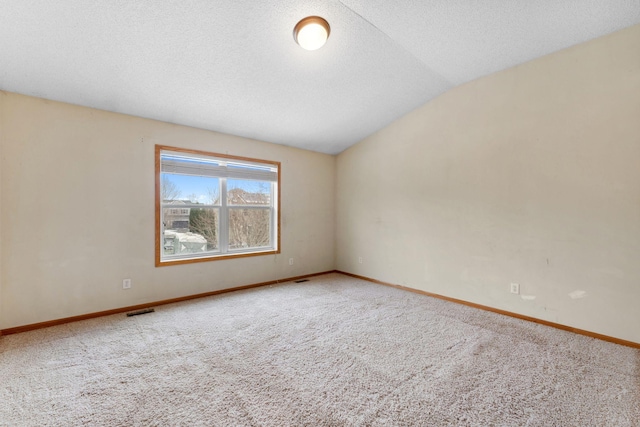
[[224, 217], [273, 214]]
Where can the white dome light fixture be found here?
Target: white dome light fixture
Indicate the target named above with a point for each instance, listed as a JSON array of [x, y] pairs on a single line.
[[312, 32]]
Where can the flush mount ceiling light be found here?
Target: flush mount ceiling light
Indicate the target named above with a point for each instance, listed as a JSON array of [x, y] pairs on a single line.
[[311, 33]]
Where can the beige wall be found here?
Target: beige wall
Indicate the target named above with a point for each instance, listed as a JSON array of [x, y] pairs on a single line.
[[77, 194], [531, 175], [1, 202]]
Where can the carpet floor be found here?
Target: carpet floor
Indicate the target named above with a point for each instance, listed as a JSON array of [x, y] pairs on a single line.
[[333, 351]]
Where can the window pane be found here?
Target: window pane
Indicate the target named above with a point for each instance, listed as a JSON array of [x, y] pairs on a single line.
[[195, 231], [189, 189], [249, 228], [248, 192]]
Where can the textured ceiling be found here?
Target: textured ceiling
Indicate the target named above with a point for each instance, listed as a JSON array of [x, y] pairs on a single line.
[[232, 65]]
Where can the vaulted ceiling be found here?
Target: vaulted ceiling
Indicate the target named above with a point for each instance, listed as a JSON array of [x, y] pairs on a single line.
[[232, 65]]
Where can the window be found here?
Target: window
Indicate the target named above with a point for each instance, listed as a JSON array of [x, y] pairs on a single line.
[[214, 206]]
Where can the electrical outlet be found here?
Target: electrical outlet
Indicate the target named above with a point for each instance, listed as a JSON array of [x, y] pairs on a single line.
[[290, 261], [515, 288], [126, 283], [359, 260]]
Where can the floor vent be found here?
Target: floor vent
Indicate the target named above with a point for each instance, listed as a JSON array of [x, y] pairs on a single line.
[[303, 280], [137, 313]]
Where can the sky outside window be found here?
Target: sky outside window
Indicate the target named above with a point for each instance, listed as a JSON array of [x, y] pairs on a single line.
[[199, 188]]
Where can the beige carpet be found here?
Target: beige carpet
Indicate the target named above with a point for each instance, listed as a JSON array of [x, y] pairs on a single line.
[[334, 351]]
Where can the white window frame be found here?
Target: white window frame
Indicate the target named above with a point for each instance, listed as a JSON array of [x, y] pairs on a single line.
[[223, 166]]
